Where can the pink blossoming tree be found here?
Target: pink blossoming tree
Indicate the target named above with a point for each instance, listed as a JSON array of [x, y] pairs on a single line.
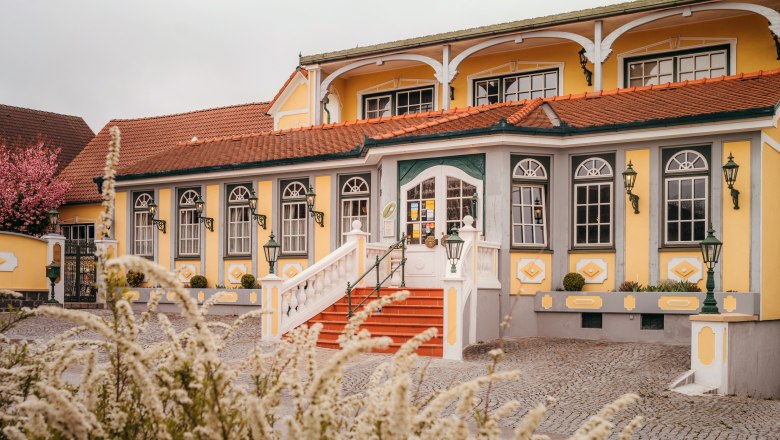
[[29, 187]]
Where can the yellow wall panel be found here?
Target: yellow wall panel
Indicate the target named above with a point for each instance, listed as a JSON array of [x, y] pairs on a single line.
[[120, 222], [298, 99], [665, 257], [164, 240], [235, 269], [31, 261], [770, 233], [289, 267], [735, 259], [264, 206], [637, 239], [322, 186], [212, 238], [518, 287], [293, 121], [609, 283], [80, 214]]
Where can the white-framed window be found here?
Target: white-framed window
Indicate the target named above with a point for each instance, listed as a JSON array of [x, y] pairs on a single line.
[[686, 191], [593, 214], [355, 193], [189, 226], [78, 232], [421, 211], [459, 200], [143, 229], [529, 203], [399, 102], [516, 87], [239, 220], [681, 66], [295, 218]]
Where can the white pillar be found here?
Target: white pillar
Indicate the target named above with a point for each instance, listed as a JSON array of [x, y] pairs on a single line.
[[445, 77], [315, 81], [272, 305], [360, 238], [597, 61], [453, 317], [471, 234], [710, 345], [108, 247], [55, 253]]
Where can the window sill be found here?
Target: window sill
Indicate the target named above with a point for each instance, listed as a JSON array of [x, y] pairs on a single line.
[[593, 250], [679, 249], [292, 256], [188, 258], [517, 249], [237, 257]]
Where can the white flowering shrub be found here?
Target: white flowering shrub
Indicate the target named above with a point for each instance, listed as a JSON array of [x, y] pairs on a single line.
[[181, 389]]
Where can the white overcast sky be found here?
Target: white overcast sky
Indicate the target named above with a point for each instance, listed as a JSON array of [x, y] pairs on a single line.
[[103, 59]]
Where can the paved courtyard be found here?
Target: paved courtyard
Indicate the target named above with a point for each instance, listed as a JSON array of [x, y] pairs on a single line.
[[581, 375]]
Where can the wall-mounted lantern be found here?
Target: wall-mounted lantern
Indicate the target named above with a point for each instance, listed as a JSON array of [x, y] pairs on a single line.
[[207, 221], [538, 211], [54, 218], [730, 170], [153, 214], [629, 179], [319, 216], [710, 253], [52, 273], [253, 208], [474, 204], [454, 246], [271, 249], [584, 64]]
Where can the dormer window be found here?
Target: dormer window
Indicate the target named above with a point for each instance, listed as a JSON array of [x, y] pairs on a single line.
[[398, 102], [516, 87], [677, 66]]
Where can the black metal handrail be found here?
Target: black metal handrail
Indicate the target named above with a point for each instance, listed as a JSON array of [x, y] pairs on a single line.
[[400, 244]]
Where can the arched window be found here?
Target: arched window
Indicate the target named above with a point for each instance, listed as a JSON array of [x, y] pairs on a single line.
[[686, 191], [239, 220], [295, 219], [143, 230], [593, 214], [529, 202], [189, 227], [355, 201]]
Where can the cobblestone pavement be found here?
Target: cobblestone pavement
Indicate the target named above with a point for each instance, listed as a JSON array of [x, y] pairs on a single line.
[[581, 375]]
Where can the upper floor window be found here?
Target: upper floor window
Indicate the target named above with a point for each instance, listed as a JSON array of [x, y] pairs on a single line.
[[398, 102], [593, 216], [189, 226], [516, 87], [295, 217], [239, 221], [680, 66], [143, 238], [79, 232], [529, 201], [355, 193], [686, 182]]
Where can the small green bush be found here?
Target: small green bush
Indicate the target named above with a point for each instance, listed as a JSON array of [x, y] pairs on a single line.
[[198, 282], [134, 279], [573, 282], [248, 281], [673, 286], [630, 286]]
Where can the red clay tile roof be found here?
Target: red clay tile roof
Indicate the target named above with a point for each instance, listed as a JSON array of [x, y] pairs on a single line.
[[147, 137], [658, 104], [23, 126]]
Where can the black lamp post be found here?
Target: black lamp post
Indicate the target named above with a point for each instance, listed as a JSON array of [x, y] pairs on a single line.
[[710, 252], [208, 221], [54, 218], [319, 216], [629, 179], [454, 248], [730, 170], [261, 219], [157, 222], [52, 273], [271, 249], [538, 211]]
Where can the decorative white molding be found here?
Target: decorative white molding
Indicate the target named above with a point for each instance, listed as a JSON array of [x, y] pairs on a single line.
[[235, 271], [290, 270], [688, 269], [435, 65], [770, 14], [594, 270], [8, 261], [185, 272], [531, 270]]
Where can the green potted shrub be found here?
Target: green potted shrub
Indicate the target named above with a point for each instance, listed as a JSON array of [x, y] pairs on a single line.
[[629, 286], [248, 281], [198, 282], [573, 282], [134, 279]]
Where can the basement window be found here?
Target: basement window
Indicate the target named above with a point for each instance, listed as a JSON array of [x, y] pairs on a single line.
[[591, 320], [652, 321]]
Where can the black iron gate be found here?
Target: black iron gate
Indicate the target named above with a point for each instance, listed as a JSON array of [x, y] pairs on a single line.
[[80, 271]]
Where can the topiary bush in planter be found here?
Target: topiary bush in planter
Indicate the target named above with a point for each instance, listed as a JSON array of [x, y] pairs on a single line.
[[248, 281], [198, 282], [573, 282], [134, 279]]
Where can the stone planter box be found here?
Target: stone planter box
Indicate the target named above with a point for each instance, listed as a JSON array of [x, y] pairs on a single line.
[[231, 301], [688, 303]]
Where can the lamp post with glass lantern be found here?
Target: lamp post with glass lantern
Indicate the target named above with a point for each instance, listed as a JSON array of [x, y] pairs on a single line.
[[710, 252], [271, 250], [454, 247]]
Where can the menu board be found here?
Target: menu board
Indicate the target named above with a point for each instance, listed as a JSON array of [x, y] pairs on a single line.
[[430, 212], [414, 211], [416, 230]]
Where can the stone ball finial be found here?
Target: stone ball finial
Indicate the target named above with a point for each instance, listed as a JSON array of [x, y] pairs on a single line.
[[356, 225], [468, 221]]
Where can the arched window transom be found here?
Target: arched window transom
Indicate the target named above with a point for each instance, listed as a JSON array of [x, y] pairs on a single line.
[[188, 197], [294, 190], [593, 167], [687, 161], [239, 194], [529, 169], [143, 200], [355, 186]]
